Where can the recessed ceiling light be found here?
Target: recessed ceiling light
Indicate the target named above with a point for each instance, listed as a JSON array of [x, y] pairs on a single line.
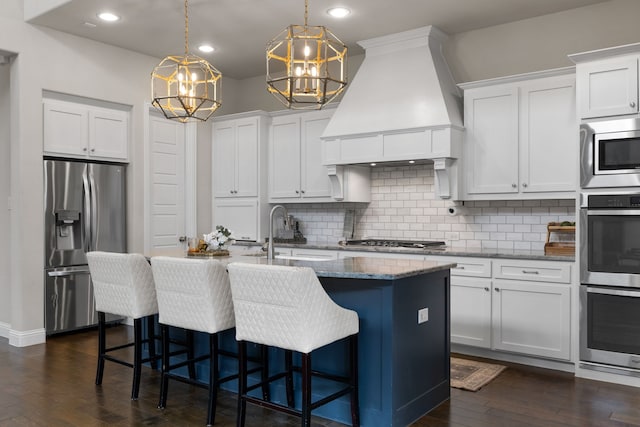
[[339, 12], [108, 16], [206, 48]]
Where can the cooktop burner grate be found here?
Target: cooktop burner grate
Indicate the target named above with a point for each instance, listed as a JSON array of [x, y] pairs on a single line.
[[396, 243]]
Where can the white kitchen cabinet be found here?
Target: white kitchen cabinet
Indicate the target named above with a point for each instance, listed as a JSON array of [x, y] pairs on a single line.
[[296, 172], [319, 254], [85, 131], [532, 318], [237, 147], [239, 174], [608, 87], [519, 306], [471, 311], [242, 217], [521, 138]]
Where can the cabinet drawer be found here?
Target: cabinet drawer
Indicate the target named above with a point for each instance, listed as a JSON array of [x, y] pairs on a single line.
[[475, 267], [538, 272]]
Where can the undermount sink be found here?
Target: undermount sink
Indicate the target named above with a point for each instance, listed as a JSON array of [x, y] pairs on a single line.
[[304, 258]]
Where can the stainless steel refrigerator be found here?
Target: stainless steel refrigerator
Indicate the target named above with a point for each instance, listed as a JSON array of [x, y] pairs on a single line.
[[84, 211]]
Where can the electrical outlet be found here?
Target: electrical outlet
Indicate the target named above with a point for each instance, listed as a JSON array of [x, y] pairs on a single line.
[[423, 315]]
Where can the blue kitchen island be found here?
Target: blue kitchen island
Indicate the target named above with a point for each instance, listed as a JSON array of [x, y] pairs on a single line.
[[404, 347]]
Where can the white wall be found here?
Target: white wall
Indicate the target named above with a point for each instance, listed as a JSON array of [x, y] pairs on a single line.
[[5, 167], [543, 42], [49, 60]]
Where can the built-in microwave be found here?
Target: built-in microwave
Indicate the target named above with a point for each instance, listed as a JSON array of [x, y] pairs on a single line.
[[610, 153]]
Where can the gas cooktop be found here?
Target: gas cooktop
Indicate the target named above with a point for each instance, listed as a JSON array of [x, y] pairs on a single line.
[[417, 244]]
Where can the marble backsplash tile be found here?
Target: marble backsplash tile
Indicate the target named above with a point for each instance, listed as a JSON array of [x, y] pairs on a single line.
[[403, 206]]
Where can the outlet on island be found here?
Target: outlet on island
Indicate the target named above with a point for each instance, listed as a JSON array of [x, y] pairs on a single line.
[[423, 315]]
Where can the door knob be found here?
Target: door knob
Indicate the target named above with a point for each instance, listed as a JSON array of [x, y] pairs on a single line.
[[182, 239]]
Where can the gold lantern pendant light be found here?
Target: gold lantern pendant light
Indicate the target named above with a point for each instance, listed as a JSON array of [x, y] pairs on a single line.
[[306, 65], [186, 88]]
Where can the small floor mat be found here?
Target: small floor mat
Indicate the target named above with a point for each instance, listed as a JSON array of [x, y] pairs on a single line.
[[471, 375]]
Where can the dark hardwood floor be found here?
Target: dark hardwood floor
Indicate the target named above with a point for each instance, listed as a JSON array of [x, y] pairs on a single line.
[[53, 385]]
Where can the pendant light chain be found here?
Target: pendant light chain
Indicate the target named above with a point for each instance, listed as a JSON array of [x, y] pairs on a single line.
[[306, 12], [186, 27]]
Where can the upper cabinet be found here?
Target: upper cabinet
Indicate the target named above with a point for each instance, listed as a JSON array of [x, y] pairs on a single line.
[[521, 137], [296, 172], [239, 174], [608, 87], [236, 150], [85, 131], [607, 82]]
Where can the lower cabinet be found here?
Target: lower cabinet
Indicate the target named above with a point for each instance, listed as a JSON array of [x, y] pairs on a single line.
[[532, 318], [471, 311], [519, 306]]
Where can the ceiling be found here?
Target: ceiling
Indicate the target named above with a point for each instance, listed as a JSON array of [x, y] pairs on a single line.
[[240, 29]]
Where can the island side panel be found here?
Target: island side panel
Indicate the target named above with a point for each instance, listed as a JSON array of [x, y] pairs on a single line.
[[421, 360], [372, 300]]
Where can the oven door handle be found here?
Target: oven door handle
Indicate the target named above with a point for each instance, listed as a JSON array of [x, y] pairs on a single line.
[[613, 212], [617, 292]]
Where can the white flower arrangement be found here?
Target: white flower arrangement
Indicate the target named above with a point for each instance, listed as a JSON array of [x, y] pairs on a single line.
[[219, 239]]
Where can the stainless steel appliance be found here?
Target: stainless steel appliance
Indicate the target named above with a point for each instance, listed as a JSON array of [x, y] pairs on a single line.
[[84, 211], [610, 280], [610, 153]]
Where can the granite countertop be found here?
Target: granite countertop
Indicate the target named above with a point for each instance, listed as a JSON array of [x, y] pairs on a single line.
[[359, 267], [538, 255], [347, 268]]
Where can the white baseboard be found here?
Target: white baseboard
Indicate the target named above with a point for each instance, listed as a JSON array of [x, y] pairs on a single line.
[[4, 329], [514, 358], [27, 338]]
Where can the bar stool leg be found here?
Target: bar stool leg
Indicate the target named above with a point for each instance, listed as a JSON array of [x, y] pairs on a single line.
[[306, 389], [137, 357], [213, 378], [288, 365], [242, 383], [164, 383], [190, 355], [151, 342], [264, 373], [353, 366], [101, 347]]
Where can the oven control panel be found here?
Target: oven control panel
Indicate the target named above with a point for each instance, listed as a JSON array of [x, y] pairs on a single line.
[[613, 201]]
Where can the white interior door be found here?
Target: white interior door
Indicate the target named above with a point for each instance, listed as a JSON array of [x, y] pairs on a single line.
[[166, 185]]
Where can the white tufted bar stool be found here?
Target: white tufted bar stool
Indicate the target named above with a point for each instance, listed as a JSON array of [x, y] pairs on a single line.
[[194, 294], [123, 285], [287, 307]]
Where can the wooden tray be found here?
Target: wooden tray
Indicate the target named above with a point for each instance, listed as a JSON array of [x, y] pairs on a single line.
[[222, 252], [560, 248]]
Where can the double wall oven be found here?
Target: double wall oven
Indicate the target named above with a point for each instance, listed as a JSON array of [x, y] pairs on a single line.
[[610, 246]]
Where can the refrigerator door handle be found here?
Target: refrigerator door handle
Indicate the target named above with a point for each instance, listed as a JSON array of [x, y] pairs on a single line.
[[87, 212], [93, 220], [66, 273]]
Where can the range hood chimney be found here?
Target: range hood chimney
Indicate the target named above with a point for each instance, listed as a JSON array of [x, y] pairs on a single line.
[[402, 105]]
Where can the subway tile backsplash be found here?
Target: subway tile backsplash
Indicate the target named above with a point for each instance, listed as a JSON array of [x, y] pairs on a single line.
[[403, 206]]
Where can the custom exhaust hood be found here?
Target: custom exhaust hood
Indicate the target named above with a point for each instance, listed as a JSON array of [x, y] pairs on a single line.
[[402, 105]]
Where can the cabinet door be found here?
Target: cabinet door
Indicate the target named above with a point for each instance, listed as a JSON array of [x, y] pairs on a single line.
[[65, 129], [108, 134], [532, 318], [284, 158], [548, 136], [491, 146], [239, 216], [247, 141], [224, 160], [471, 311], [314, 179], [608, 87]]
